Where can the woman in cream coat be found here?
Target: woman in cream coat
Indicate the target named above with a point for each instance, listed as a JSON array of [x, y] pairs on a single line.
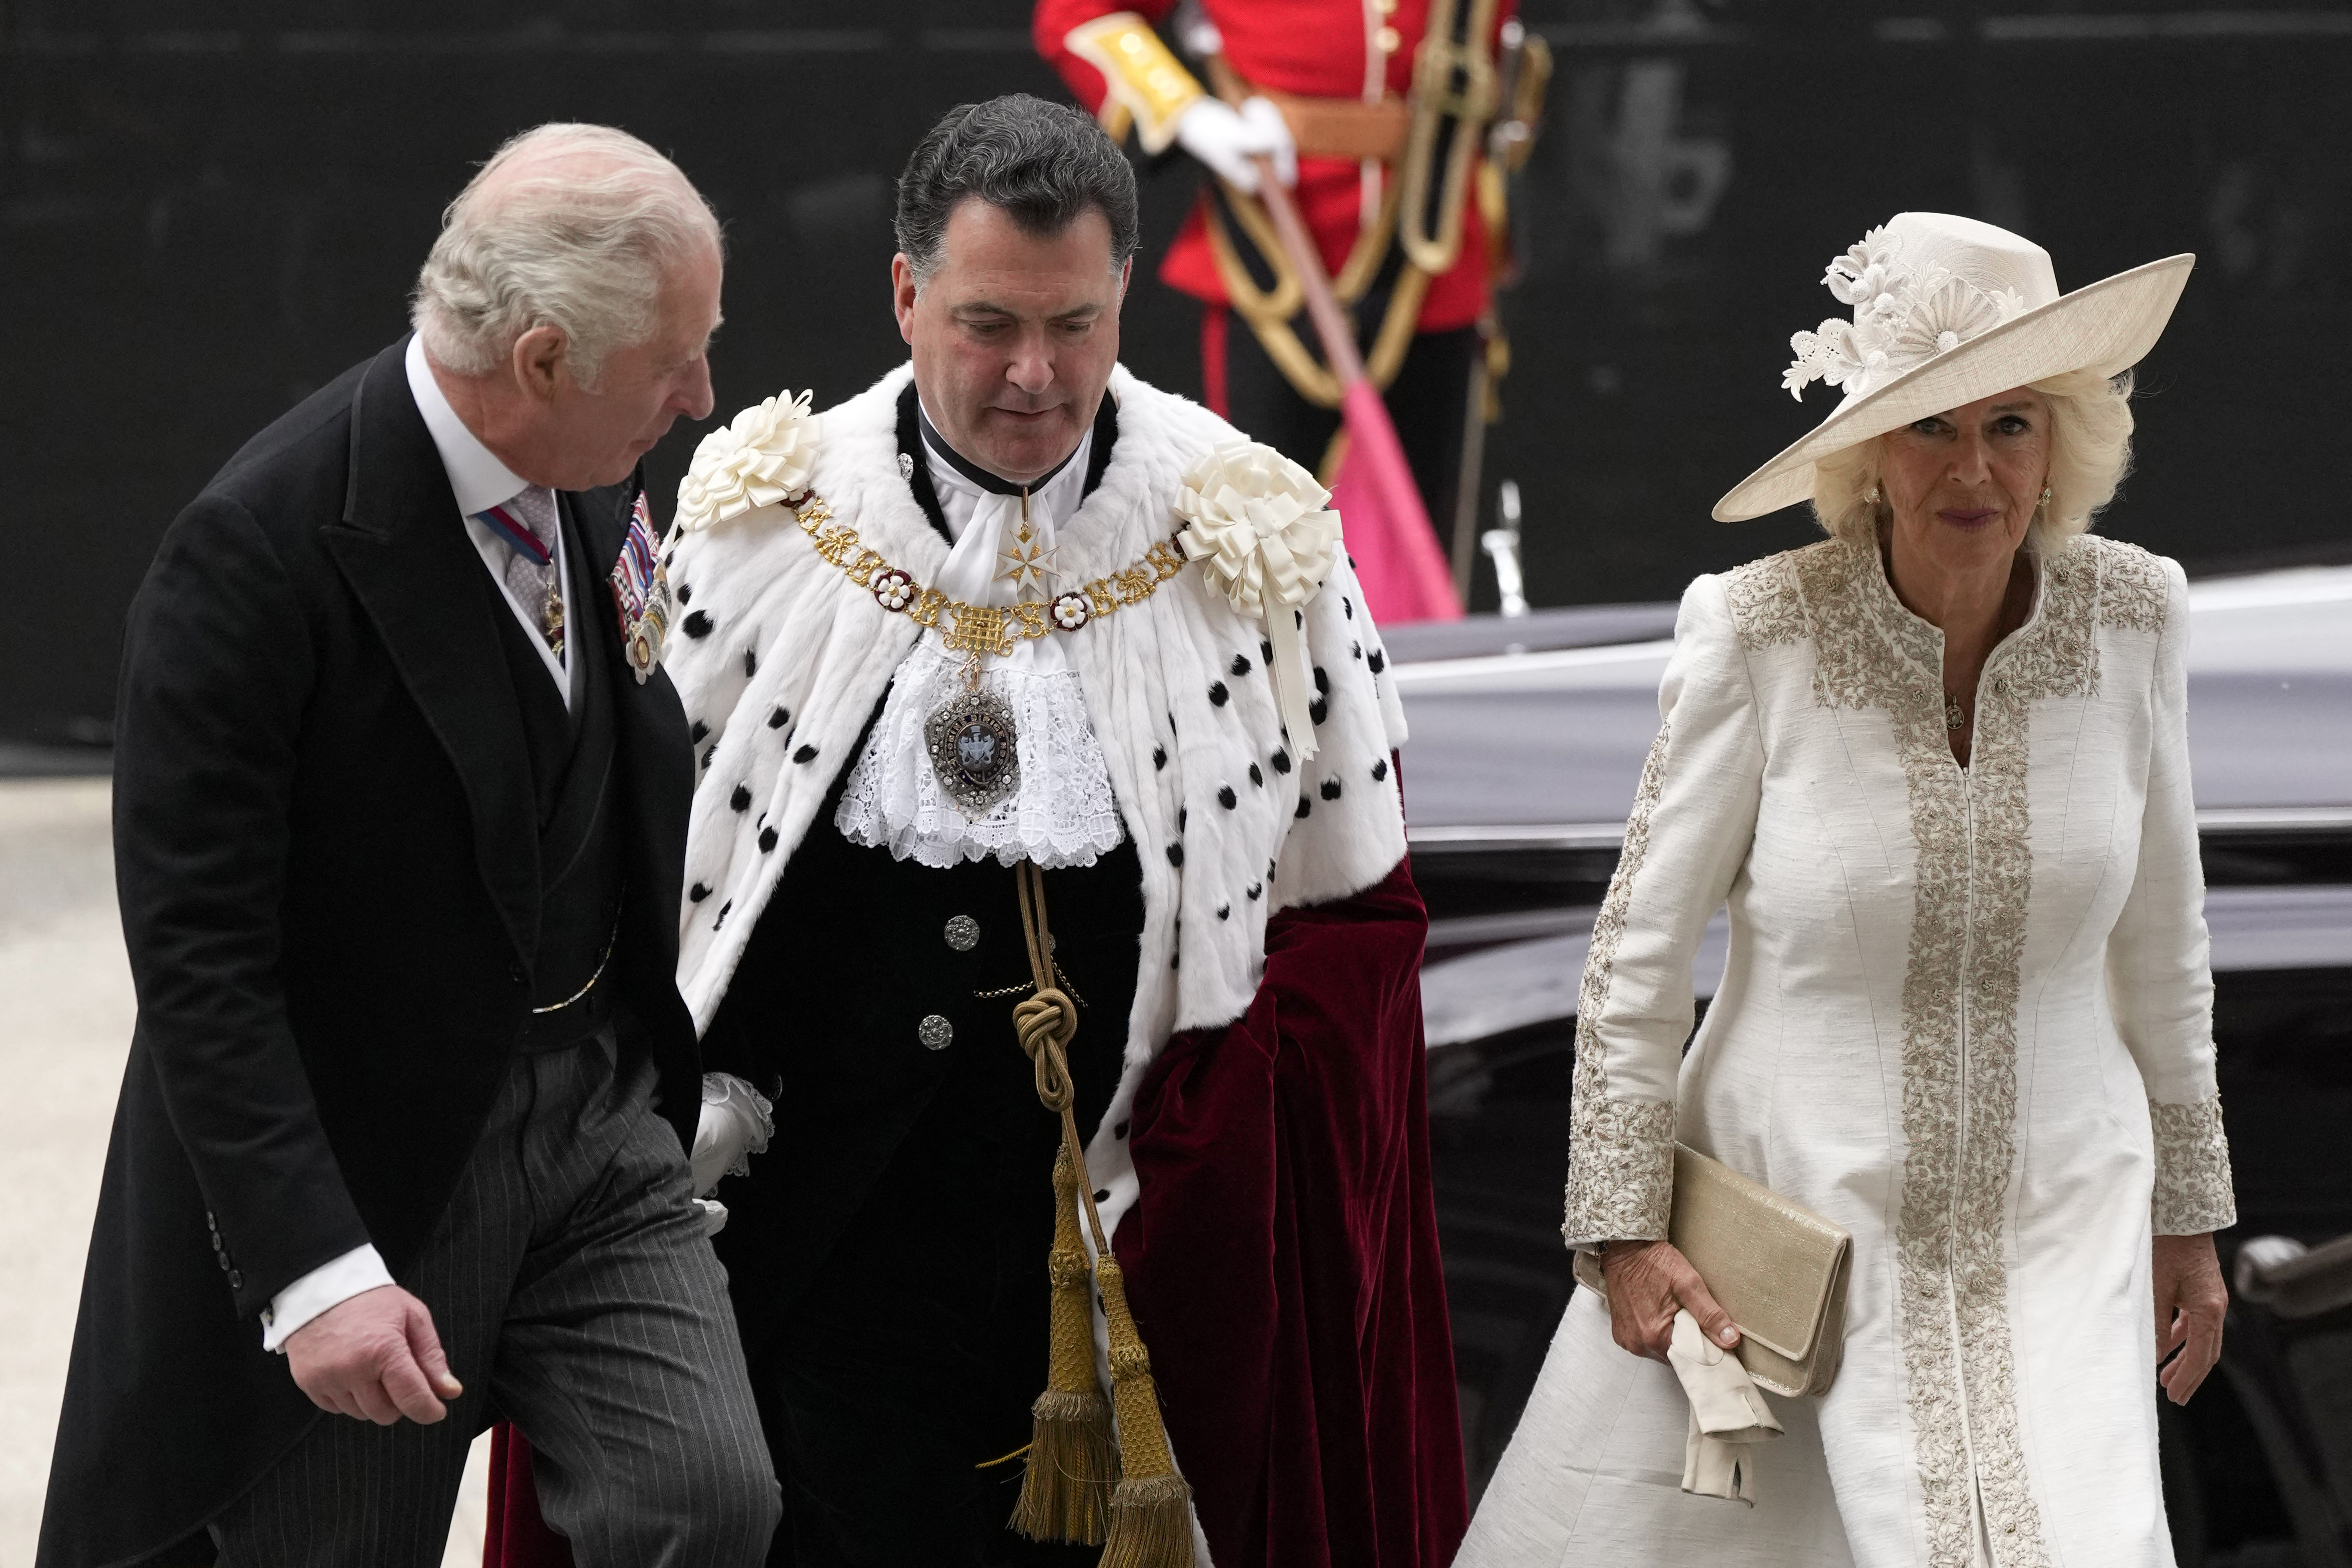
[[1938, 765]]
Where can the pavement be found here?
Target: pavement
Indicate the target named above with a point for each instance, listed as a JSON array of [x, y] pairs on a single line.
[[68, 1027]]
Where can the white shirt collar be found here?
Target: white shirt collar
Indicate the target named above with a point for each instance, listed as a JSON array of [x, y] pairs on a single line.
[[476, 475]]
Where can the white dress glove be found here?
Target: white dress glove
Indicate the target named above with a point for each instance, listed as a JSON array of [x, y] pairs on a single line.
[[1728, 1416], [736, 1124], [1225, 138]]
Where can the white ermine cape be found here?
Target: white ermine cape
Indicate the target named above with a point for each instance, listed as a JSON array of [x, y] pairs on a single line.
[[781, 657]]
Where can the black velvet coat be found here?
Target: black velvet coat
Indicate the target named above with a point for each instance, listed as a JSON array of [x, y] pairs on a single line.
[[326, 847]]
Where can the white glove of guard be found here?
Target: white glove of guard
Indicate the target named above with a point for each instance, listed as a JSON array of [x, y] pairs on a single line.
[[1227, 139], [736, 1124], [1728, 1416]]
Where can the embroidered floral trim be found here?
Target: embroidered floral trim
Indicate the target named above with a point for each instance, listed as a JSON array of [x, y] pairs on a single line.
[[1620, 1152], [1972, 876], [2193, 1193]]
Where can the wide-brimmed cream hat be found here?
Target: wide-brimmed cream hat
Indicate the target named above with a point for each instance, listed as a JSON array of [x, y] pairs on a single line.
[[1947, 310]]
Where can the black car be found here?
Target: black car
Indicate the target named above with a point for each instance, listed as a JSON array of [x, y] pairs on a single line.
[[1528, 735]]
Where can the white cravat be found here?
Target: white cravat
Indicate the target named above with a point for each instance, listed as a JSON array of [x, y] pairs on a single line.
[[1063, 812]]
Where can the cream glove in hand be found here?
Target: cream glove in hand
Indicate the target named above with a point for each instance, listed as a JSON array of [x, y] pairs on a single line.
[[736, 1124], [1728, 1416], [1227, 139]]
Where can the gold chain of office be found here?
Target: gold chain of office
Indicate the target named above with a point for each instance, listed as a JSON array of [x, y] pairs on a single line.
[[983, 630]]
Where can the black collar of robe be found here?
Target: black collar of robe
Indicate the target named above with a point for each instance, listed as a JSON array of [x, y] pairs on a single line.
[[915, 451]]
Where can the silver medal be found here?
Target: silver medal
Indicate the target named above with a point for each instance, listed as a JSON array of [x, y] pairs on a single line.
[[972, 743]]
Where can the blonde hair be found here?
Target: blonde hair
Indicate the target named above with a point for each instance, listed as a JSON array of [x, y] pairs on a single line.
[[2090, 453], [580, 237]]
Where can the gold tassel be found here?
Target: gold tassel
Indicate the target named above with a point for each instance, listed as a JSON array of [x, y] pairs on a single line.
[[1065, 1489], [1071, 1465], [1151, 1521]]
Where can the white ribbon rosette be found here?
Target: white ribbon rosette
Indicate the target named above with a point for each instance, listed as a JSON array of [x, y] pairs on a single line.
[[1265, 530], [761, 457]]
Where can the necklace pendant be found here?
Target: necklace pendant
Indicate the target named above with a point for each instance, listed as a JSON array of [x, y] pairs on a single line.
[[1955, 716], [972, 739]]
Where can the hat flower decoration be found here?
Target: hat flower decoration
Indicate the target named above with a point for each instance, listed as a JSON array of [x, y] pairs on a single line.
[[1902, 317]]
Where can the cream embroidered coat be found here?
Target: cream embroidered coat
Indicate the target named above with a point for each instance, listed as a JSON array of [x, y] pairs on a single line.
[[1966, 1015]]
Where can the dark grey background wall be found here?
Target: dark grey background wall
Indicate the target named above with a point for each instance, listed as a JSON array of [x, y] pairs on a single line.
[[208, 208]]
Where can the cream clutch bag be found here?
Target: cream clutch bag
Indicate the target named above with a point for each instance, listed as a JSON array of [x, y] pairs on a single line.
[[1778, 1269]]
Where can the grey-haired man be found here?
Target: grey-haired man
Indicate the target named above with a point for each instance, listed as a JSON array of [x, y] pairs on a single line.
[[398, 832]]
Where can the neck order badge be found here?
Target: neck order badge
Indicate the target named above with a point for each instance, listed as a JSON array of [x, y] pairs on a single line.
[[507, 522]]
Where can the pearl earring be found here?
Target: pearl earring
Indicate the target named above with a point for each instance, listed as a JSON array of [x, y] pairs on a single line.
[[1870, 495], [2045, 494]]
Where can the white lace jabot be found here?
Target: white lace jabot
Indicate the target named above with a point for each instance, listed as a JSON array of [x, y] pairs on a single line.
[[1062, 814]]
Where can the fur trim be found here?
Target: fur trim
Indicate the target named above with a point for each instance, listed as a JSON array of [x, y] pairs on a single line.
[[779, 658]]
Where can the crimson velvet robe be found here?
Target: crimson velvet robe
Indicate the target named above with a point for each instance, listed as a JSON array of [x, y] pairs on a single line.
[[1281, 1261]]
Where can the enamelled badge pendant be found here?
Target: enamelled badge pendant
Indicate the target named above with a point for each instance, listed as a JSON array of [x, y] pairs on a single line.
[[641, 594], [972, 738]]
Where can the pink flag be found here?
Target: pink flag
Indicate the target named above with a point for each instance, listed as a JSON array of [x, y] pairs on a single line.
[[1386, 530]]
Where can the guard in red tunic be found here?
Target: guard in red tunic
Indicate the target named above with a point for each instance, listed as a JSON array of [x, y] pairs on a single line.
[[1378, 113]]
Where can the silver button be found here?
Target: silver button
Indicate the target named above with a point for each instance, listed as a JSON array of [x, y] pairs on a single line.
[[935, 1033], [963, 933]]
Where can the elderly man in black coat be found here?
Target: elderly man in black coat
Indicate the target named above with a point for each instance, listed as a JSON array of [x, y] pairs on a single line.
[[400, 808]]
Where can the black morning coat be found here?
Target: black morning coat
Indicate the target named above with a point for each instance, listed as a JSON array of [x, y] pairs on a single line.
[[327, 856]]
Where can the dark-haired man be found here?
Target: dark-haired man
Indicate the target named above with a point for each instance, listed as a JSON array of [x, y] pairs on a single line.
[[944, 634]]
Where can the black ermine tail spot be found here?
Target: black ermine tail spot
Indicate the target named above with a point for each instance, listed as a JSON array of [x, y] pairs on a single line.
[[1379, 661], [1158, 757], [1305, 805], [751, 664], [767, 840], [697, 625], [1320, 709], [700, 733], [1322, 680], [1217, 693], [1281, 760], [1226, 797], [1241, 664], [1254, 889], [1175, 855], [805, 754], [1379, 769], [741, 800], [1257, 777], [781, 718], [1224, 911], [697, 894], [1330, 789]]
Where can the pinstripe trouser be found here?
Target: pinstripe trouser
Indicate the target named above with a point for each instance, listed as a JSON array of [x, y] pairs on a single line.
[[575, 1296]]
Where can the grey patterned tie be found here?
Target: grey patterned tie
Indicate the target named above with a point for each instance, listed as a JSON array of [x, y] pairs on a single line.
[[531, 574]]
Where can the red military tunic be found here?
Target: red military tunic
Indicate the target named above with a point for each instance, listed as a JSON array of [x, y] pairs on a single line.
[[1314, 48]]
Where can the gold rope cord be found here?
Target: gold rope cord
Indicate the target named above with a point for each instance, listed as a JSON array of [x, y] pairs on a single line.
[[1269, 314], [1435, 99], [1075, 1486]]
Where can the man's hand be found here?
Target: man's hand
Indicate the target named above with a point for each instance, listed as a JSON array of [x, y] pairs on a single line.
[[1227, 139], [2190, 1303], [374, 1357], [1648, 1282]]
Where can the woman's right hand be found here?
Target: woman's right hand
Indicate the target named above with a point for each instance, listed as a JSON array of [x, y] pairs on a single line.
[[1648, 1282]]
